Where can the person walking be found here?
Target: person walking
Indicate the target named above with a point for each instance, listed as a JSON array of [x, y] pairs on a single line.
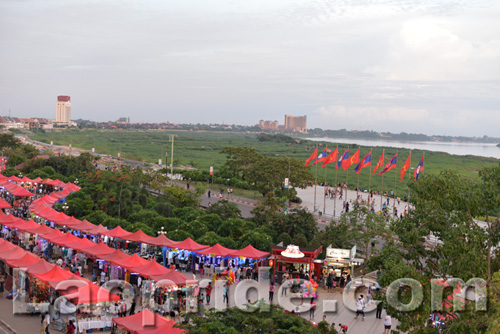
[[380, 307], [312, 309], [387, 324], [71, 328], [225, 295], [360, 307], [329, 282], [209, 292], [271, 292]]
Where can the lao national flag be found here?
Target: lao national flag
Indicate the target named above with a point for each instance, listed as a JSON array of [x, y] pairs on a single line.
[[345, 156], [367, 161], [354, 159], [312, 157], [405, 167], [420, 168], [321, 157], [392, 164], [331, 158]]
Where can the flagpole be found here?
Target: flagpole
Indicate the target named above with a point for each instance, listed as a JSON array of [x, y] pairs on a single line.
[[346, 178], [335, 197], [324, 191], [382, 191], [370, 181], [395, 184], [409, 179], [315, 184]]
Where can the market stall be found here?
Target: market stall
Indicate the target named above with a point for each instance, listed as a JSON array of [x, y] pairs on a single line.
[[297, 262], [144, 320]]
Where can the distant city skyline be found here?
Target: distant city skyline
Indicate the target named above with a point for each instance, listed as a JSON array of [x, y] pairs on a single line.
[[429, 67]]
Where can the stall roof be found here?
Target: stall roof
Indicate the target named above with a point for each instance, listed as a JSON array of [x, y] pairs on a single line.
[[117, 232], [251, 253], [39, 267], [90, 293], [7, 218], [130, 262], [40, 229], [153, 268], [55, 274], [84, 226], [140, 236], [4, 204], [97, 230], [163, 241], [6, 246], [70, 280], [310, 254], [176, 277], [190, 245], [166, 328], [61, 194], [144, 320], [117, 255], [27, 260], [99, 250], [217, 250], [71, 187], [81, 244], [15, 253]]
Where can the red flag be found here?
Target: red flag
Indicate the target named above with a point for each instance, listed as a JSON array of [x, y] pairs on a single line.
[[321, 157], [354, 159], [379, 163], [405, 167], [312, 157], [331, 158]]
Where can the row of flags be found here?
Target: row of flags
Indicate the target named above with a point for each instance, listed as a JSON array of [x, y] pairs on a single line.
[[345, 161]]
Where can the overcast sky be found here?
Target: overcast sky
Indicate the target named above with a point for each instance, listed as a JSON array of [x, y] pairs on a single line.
[[417, 66]]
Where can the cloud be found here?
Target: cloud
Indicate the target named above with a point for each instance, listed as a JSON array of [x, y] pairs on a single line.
[[439, 49]]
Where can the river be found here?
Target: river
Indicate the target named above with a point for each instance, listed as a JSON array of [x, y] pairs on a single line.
[[479, 149]]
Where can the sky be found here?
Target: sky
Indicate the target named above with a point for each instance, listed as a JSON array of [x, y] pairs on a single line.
[[423, 66]]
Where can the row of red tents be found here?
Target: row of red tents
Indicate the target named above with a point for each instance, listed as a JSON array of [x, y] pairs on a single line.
[[43, 208], [49, 182]]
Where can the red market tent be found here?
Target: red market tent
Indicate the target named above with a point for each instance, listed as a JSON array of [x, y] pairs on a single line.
[[81, 244], [217, 250], [40, 230], [144, 320], [153, 268], [117, 232], [37, 180], [24, 262], [55, 274], [140, 236], [130, 262], [251, 253], [71, 187], [24, 225], [4, 204], [14, 178], [8, 220], [14, 189], [64, 239], [52, 234], [117, 255], [39, 267], [6, 246], [26, 179], [58, 218], [98, 250], [72, 280], [60, 194], [162, 241], [70, 222], [166, 328], [175, 277], [13, 254], [89, 293], [46, 181], [84, 226], [190, 245], [97, 230]]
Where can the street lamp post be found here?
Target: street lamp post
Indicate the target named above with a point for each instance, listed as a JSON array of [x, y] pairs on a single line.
[[65, 207], [213, 165]]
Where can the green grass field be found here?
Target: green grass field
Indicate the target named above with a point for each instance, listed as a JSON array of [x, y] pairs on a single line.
[[195, 149]]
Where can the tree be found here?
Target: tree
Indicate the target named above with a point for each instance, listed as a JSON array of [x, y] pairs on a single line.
[[225, 209], [238, 159], [236, 321]]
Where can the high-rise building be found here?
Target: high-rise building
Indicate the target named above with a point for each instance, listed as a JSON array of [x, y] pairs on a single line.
[[63, 109], [296, 123], [268, 125]]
